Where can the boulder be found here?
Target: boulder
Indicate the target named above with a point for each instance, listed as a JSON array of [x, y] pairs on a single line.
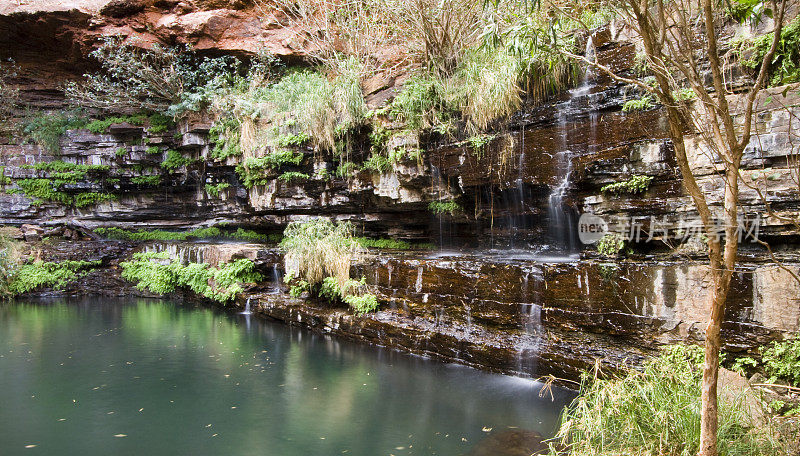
[[32, 233]]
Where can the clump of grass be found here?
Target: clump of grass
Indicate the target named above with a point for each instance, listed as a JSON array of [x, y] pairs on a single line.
[[290, 176], [301, 107], [655, 412], [46, 129], [260, 170], [444, 207], [319, 250]]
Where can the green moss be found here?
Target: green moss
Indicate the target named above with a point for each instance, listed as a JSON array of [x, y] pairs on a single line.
[[200, 233], [61, 166], [636, 184], [47, 274], [41, 190], [157, 123], [151, 180], [160, 274], [392, 244]]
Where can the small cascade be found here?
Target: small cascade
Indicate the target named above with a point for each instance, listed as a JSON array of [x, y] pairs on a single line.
[[562, 218], [247, 307], [530, 346], [276, 278], [183, 251]]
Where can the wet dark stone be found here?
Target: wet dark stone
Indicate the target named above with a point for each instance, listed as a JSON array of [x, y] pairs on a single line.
[[515, 442]]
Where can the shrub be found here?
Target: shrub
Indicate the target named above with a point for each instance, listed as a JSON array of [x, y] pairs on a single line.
[[639, 104], [175, 160], [421, 105], [156, 79], [782, 361], [636, 184], [785, 66], [303, 106], [611, 245], [8, 94], [9, 263], [656, 412], [46, 129], [160, 274], [51, 274]]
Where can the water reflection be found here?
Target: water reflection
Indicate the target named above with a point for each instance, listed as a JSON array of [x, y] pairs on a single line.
[[170, 379]]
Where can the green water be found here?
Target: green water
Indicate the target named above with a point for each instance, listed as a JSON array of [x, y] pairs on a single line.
[[114, 377]]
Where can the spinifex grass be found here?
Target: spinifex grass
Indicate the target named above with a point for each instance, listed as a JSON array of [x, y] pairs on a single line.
[[656, 411]]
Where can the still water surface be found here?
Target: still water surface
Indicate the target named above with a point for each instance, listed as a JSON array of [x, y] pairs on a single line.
[[137, 377]]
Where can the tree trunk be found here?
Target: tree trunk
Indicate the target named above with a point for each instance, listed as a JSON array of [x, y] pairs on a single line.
[[709, 408], [721, 273]]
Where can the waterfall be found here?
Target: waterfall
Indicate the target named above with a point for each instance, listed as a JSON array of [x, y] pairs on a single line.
[[247, 307]]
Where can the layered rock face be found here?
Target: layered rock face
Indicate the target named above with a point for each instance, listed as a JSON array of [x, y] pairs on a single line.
[[517, 309]]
